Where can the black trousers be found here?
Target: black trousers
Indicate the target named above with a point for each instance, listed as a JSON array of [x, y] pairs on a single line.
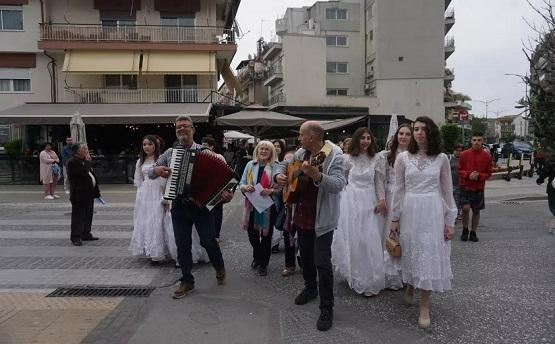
[[290, 248], [81, 219], [218, 212], [316, 260], [261, 245]]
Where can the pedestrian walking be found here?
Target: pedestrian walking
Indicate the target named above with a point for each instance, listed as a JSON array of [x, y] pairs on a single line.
[[454, 164], [66, 155], [278, 234], [316, 214], [185, 213], [153, 236], [474, 168], [399, 144], [83, 189], [284, 221], [357, 252], [49, 171], [548, 172], [259, 225], [424, 214]]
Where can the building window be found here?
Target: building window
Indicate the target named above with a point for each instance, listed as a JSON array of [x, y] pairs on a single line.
[[128, 82], [173, 20], [11, 19], [337, 91], [336, 41], [336, 67], [15, 80], [336, 14]]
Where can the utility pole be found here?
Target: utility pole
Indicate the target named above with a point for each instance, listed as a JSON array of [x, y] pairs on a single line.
[[486, 102]]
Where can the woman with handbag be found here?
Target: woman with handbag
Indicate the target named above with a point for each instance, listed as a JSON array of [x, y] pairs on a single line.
[[49, 171], [259, 225], [398, 144], [357, 251], [424, 213]]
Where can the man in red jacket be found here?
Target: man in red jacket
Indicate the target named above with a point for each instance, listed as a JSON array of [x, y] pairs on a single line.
[[475, 167]]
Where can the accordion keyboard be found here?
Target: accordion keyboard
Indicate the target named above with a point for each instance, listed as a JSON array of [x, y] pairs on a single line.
[[181, 170]]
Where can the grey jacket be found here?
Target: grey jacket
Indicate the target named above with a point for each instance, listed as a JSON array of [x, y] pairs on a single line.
[[329, 188]]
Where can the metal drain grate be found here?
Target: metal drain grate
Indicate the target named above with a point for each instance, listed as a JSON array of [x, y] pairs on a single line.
[[101, 292], [511, 202]]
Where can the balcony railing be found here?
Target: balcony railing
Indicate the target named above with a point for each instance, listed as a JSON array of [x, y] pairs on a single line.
[[277, 99], [108, 95], [137, 33]]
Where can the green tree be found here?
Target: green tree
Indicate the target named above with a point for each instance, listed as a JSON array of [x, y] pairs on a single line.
[[479, 125], [450, 134]]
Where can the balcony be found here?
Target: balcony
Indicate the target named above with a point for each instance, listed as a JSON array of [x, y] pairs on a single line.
[[123, 96], [449, 75], [447, 3], [281, 25], [275, 73], [449, 19], [277, 100], [59, 36], [449, 47]]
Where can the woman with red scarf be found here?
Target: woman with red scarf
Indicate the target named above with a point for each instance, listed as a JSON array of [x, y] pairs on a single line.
[[260, 225]]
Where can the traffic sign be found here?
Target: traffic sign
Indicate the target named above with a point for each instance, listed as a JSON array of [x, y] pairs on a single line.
[[463, 114]]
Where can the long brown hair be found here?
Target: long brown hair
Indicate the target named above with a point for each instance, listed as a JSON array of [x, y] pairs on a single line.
[[433, 137], [153, 139], [395, 144], [354, 145]]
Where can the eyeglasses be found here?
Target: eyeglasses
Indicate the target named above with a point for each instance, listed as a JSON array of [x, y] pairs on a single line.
[[184, 126]]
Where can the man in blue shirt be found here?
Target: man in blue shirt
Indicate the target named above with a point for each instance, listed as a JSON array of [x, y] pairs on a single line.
[[66, 155]]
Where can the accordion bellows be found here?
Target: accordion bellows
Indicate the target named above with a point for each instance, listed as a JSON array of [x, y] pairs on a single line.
[[210, 176]]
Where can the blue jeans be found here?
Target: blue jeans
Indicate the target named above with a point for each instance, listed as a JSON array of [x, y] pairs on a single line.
[[184, 215]]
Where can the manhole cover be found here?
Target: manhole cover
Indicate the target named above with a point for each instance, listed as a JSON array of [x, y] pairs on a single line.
[[101, 292]]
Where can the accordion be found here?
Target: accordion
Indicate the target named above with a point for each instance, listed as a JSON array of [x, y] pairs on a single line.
[[199, 176]]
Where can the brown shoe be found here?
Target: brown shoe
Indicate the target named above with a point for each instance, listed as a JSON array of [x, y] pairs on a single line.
[[288, 271], [183, 290], [220, 275]]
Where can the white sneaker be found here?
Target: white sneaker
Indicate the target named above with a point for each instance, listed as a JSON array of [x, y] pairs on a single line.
[[48, 197], [56, 196], [67, 192]]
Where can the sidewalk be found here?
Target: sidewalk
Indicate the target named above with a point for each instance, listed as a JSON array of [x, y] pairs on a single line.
[[503, 288]]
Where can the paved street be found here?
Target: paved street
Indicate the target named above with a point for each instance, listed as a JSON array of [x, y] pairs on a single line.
[[504, 286]]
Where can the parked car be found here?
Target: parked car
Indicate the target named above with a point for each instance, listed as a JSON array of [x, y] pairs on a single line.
[[518, 148]]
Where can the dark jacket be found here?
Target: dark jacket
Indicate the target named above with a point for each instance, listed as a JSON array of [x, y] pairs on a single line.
[[81, 188]]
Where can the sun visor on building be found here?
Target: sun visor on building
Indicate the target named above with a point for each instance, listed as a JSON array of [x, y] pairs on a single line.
[[61, 113], [179, 62], [102, 62]]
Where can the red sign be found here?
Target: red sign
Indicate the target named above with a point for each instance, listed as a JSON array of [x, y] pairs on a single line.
[[463, 114]]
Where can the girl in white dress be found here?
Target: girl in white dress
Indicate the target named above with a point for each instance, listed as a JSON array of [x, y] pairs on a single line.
[[357, 252], [152, 230], [424, 214], [399, 143]]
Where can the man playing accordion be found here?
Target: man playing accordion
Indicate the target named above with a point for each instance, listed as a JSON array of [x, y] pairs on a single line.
[[185, 213]]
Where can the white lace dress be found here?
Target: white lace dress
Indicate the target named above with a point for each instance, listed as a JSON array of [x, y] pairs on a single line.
[[357, 252], [423, 203], [392, 265], [153, 235]]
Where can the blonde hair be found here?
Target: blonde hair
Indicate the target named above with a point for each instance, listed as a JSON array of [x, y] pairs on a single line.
[[270, 146]]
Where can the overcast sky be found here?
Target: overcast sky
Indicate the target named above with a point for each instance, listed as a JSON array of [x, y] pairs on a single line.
[[488, 41]]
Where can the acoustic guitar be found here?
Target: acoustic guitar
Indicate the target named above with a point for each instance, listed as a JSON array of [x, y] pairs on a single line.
[[297, 180]]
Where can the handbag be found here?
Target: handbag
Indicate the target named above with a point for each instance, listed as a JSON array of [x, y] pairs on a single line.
[[56, 170], [393, 246]]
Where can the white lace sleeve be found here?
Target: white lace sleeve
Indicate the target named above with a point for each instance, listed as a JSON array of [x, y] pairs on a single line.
[[399, 194], [138, 178], [380, 176], [347, 165], [446, 184]]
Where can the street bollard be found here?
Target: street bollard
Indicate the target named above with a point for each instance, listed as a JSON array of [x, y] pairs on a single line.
[[520, 166], [532, 165], [509, 167]]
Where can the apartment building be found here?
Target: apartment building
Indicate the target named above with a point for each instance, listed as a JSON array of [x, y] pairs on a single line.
[[105, 58], [373, 56]]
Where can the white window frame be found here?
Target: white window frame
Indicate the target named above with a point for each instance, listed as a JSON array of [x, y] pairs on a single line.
[[336, 69], [336, 91], [178, 17], [12, 74], [121, 86], [336, 37], [336, 11], [12, 8]]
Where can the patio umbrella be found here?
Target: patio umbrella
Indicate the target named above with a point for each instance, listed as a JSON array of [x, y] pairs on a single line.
[[393, 125], [77, 129], [257, 120], [236, 135]]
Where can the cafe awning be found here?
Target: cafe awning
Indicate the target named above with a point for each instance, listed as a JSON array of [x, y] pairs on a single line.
[[179, 62], [61, 113], [101, 62], [340, 123]]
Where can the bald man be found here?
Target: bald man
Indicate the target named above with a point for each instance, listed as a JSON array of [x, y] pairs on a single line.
[[316, 216]]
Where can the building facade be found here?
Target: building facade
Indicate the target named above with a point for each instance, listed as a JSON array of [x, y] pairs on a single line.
[[387, 56], [109, 52]]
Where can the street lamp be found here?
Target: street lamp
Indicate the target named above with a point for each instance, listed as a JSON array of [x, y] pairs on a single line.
[[487, 102]]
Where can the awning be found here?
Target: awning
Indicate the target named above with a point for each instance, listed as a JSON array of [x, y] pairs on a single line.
[[102, 62], [61, 113], [179, 62], [340, 123]]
